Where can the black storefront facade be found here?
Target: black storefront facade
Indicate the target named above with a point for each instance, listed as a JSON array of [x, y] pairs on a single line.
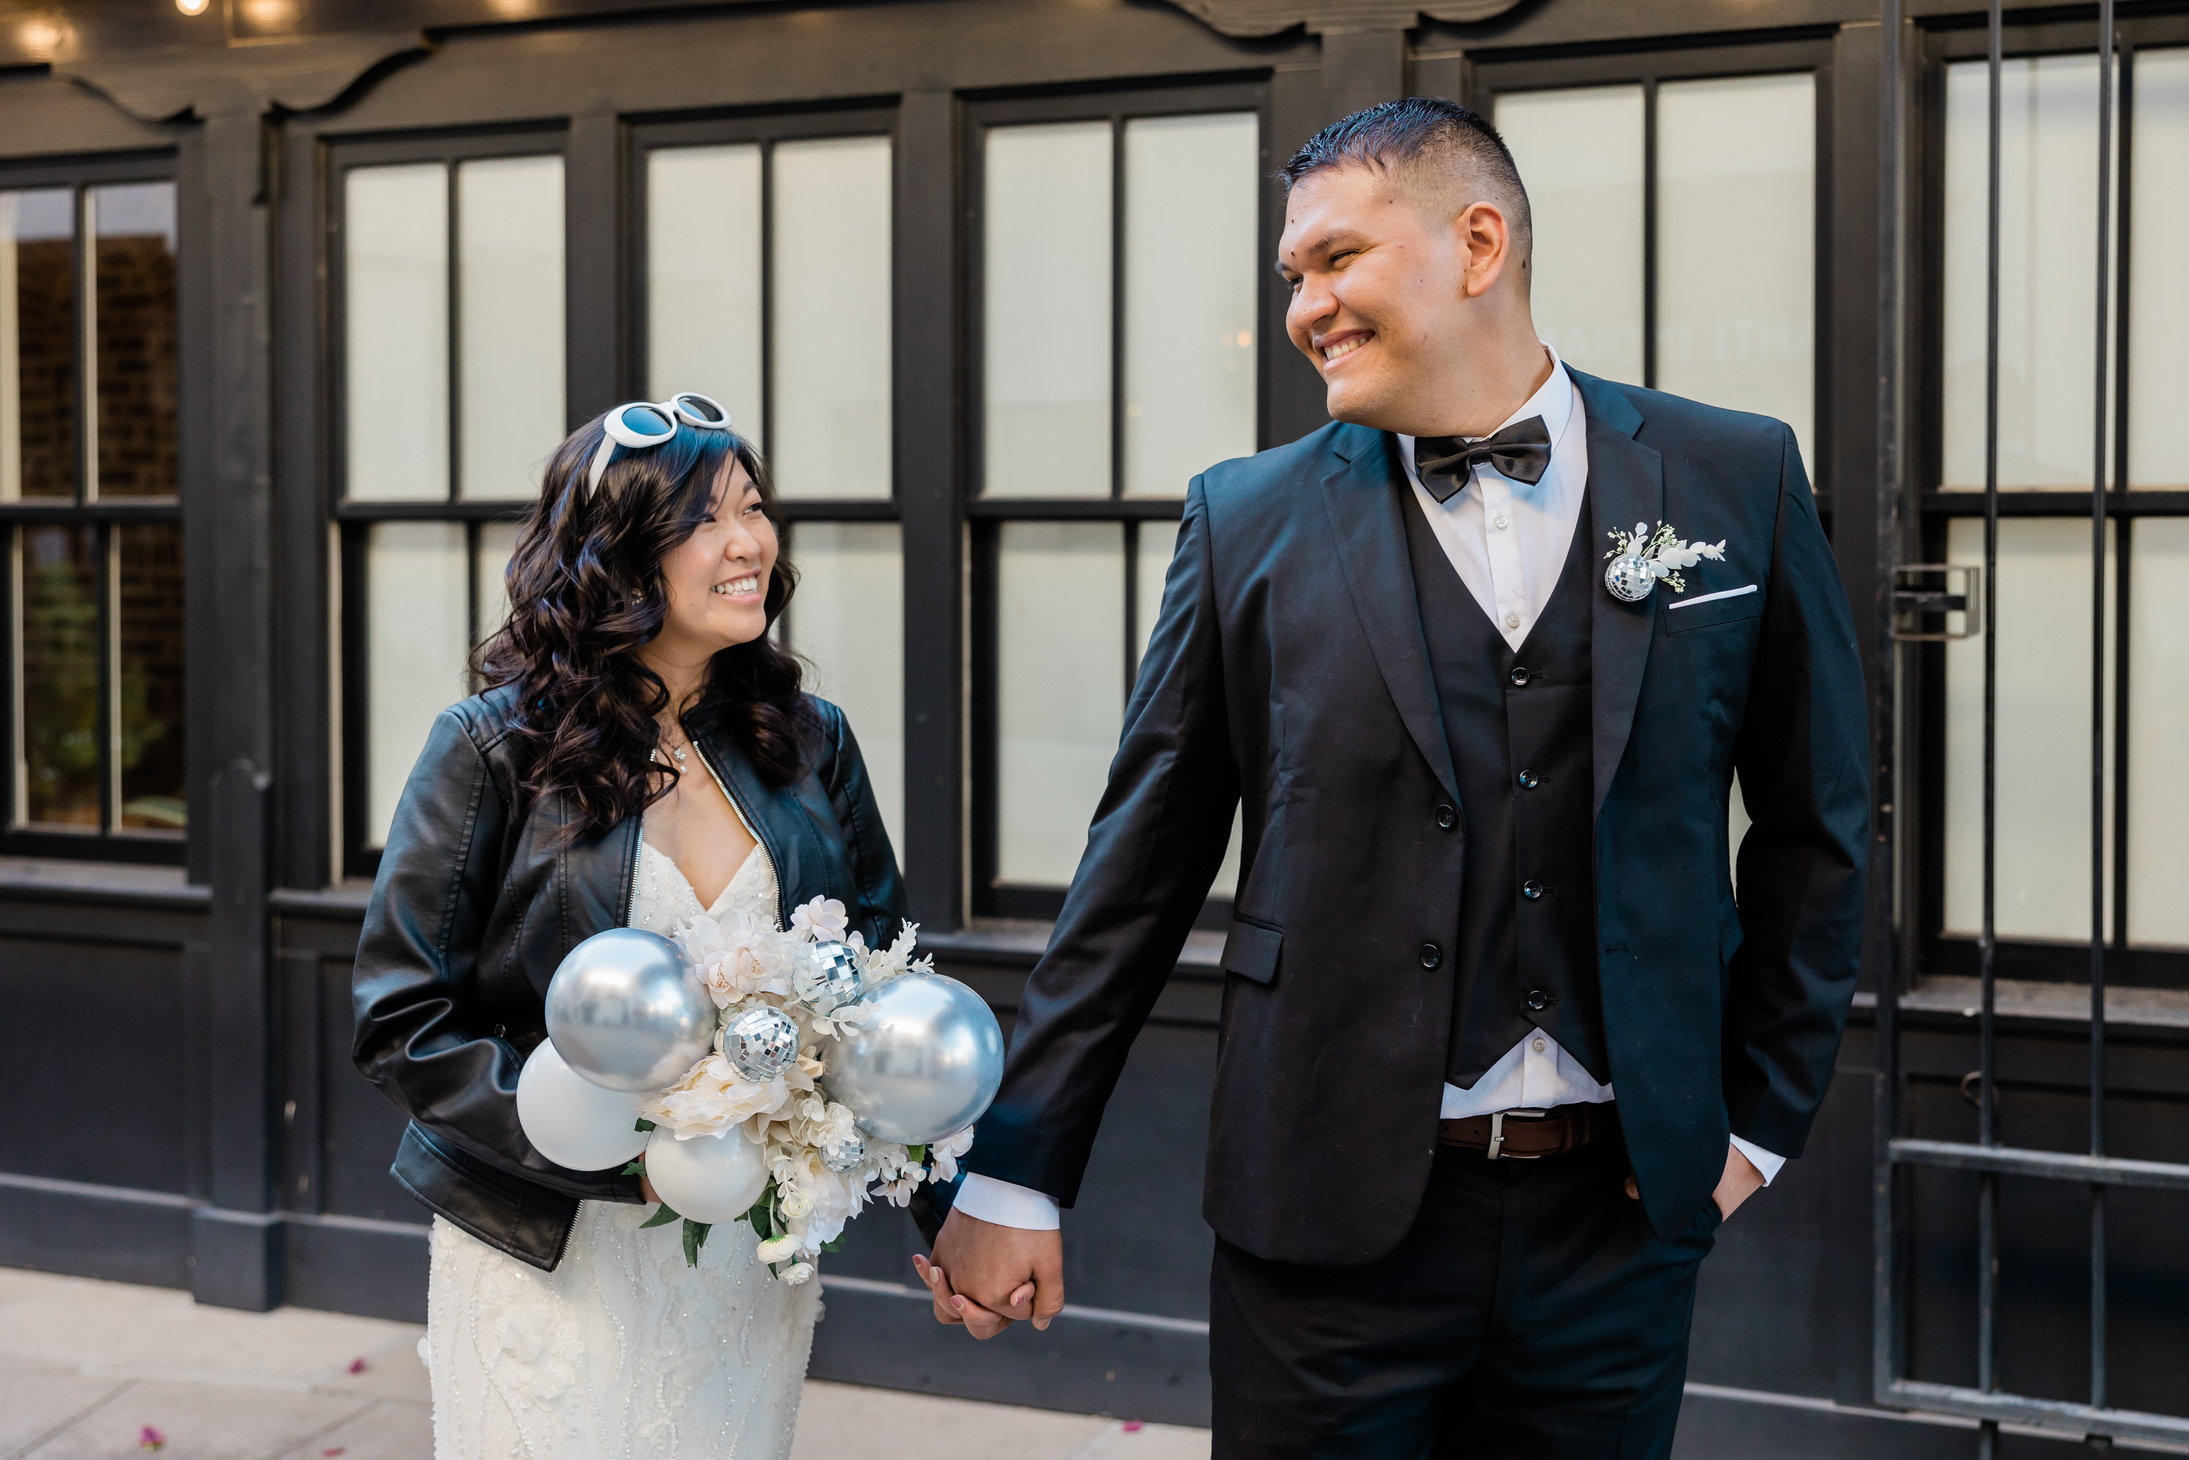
[[200, 552]]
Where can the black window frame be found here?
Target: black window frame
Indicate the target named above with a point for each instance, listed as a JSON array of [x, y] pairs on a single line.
[[354, 519], [1937, 952], [986, 516], [104, 515]]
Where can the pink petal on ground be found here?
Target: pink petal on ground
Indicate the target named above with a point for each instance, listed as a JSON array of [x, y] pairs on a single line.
[[150, 1438], [337, 1450], [358, 1366], [1130, 1426]]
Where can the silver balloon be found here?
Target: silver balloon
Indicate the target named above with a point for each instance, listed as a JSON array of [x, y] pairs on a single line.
[[834, 972], [1629, 578], [926, 1061], [845, 1156], [628, 1011], [760, 1043]]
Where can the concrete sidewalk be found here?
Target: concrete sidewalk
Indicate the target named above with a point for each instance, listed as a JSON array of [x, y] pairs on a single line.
[[86, 1367]]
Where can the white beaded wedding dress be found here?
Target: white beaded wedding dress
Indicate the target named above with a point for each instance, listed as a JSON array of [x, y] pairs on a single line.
[[622, 1352]]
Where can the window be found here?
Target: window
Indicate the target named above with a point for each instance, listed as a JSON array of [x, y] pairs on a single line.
[[90, 507], [450, 304], [2046, 458], [1641, 272], [769, 286], [1121, 257]]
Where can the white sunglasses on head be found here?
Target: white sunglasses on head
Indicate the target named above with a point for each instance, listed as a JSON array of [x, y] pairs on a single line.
[[639, 424]]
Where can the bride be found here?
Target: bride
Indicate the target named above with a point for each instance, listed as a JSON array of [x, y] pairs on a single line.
[[642, 754]]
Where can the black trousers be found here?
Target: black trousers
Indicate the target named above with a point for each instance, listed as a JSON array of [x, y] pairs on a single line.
[[1529, 1314]]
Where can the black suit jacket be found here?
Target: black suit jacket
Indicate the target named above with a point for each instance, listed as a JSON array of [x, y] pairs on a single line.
[[1288, 669]]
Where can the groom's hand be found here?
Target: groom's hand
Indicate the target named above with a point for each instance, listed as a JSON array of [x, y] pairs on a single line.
[[987, 1276]]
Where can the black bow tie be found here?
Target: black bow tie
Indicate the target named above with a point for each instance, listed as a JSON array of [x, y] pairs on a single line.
[[1521, 451]]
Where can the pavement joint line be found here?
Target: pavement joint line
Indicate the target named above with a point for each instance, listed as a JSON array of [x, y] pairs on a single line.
[[322, 1432], [75, 1419], [1095, 1443]]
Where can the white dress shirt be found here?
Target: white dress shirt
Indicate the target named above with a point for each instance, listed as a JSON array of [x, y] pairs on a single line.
[[1508, 542]]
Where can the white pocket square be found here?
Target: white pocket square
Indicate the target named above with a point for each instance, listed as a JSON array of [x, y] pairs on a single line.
[[1709, 597]]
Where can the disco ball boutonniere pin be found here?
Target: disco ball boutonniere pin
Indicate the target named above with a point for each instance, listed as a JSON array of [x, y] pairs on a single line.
[[1641, 559]]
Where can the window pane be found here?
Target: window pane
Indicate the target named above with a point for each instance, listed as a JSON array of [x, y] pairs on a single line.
[[847, 622], [2047, 173], [1193, 192], [134, 229], [1736, 245], [1045, 358], [148, 589], [703, 277], [395, 331], [2158, 709], [2043, 805], [509, 220], [415, 627], [830, 326], [39, 374], [490, 585], [1060, 674], [2158, 335], [1580, 157], [1158, 542], [58, 611]]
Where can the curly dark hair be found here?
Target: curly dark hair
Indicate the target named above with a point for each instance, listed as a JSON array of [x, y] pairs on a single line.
[[586, 591]]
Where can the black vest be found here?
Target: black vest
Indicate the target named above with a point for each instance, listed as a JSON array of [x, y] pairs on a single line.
[[1518, 728]]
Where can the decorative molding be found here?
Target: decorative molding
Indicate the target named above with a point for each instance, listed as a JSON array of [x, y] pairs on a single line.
[[1268, 17], [248, 79]]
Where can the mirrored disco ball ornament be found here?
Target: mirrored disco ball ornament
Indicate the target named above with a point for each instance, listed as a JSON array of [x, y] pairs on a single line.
[[1629, 578], [925, 1062], [628, 1011], [760, 1043], [846, 1155], [835, 972]]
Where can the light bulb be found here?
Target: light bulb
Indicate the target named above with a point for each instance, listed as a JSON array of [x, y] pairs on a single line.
[[191, 7]]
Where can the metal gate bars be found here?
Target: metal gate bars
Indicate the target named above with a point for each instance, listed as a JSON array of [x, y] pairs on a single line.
[[1895, 1152]]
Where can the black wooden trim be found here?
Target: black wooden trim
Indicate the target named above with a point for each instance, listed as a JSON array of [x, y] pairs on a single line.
[[928, 398], [1961, 503], [1077, 509], [836, 509], [456, 510]]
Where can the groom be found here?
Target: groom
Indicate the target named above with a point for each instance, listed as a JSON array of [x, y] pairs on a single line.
[[1500, 1049]]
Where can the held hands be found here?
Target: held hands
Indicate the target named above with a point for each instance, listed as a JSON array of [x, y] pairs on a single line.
[[1740, 1182], [988, 1277]]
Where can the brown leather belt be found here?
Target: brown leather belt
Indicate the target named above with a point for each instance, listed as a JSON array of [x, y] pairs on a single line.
[[1524, 1135]]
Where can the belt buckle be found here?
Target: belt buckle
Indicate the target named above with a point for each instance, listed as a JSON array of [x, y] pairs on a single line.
[[1497, 1133]]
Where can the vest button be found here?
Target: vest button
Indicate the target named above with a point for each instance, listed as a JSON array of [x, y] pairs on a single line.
[[1529, 780], [1520, 676], [1431, 955], [1447, 817], [1531, 889], [1537, 999]]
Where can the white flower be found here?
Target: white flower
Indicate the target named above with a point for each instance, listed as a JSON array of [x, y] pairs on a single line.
[[798, 1274], [711, 1099], [775, 1249], [822, 920], [945, 1152]]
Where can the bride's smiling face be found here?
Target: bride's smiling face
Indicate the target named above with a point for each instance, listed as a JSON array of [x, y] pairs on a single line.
[[717, 579]]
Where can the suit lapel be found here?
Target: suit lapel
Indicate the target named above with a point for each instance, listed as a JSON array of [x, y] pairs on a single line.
[[1363, 498], [1626, 486]]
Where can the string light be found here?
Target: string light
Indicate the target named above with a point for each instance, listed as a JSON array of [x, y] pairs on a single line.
[[191, 7]]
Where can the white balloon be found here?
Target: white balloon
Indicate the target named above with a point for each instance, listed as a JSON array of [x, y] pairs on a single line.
[[572, 1121], [707, 1178]]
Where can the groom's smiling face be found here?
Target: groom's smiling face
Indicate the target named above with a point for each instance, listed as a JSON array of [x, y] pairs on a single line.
[[1387, 297]]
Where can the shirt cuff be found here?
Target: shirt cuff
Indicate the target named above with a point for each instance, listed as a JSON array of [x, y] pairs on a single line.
[[1763, 1160], [1006, 1203]]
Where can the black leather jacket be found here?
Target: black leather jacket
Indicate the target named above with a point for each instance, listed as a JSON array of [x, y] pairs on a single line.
[[475, 907]]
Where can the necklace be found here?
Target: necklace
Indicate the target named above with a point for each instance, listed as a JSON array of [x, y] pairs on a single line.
[[675, 750]]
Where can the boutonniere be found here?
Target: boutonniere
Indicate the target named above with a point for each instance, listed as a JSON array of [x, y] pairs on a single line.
[[1641, 559]]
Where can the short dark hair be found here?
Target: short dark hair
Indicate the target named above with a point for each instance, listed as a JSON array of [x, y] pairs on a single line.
[[1423, 133]]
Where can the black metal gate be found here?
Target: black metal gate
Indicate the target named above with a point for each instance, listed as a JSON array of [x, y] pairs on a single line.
[[1909, 597]]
